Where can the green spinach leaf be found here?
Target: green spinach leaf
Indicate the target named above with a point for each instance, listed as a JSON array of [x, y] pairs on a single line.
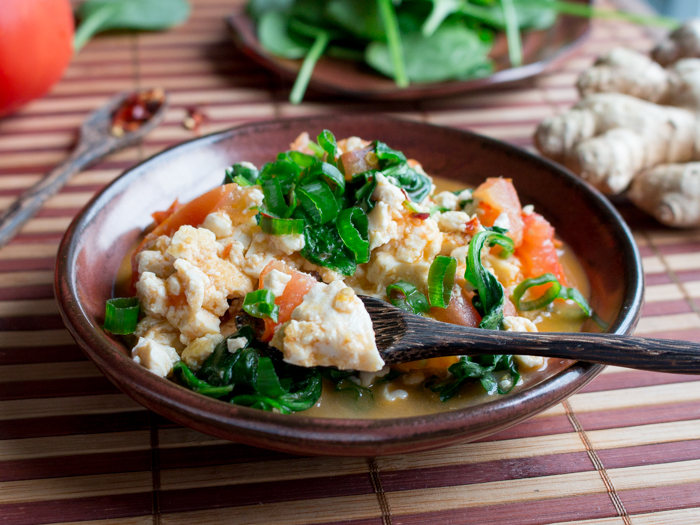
[[453, 52], [148, 15], [483, 368], [274, 35]]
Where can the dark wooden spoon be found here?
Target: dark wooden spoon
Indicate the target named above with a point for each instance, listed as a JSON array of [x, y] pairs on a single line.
[[403, 337], [96, 141]]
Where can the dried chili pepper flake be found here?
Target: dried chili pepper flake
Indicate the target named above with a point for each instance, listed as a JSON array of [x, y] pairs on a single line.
[[136, 110], [422, 216], [472, 226], [194, 119]]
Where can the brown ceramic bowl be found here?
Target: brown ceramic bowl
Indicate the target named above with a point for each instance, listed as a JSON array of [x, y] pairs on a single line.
[[98, 239], [541, 50]]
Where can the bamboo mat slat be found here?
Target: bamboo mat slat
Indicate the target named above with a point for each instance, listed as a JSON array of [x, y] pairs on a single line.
[[74, 450]]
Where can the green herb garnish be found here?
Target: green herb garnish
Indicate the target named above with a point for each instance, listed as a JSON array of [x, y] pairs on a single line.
[[122, 315]]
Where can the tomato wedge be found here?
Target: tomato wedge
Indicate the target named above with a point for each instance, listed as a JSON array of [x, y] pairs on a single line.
[[537, 253], [496, 196], [293, 295]]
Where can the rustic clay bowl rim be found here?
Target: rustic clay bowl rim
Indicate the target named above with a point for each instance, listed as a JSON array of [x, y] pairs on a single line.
[[302, 434]]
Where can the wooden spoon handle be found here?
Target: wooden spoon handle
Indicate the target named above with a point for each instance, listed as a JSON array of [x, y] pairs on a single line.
[[658, 355], [31, 201]]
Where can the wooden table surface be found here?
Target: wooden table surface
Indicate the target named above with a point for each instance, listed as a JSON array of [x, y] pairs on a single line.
[[73, 449]]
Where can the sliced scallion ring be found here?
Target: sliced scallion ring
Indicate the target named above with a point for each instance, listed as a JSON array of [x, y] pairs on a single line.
[[275, 226], [547, 297], [407, 297], [555, 291], [329, 173], [441, 278], [242, 181], [318, 201], [353, 227], [574, 295], [327, 141], [261, 304], [122, 315], [275, 200]]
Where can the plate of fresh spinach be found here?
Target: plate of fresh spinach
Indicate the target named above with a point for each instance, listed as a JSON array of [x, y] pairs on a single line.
[[412, 49]]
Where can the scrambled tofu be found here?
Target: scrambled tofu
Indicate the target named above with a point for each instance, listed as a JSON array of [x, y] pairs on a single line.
[[523, 324], [330, 328], [192, 283]]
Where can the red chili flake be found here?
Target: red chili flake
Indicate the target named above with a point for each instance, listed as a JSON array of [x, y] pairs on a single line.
[[194, 119], [421, 216], [136, 110], [472, 226]]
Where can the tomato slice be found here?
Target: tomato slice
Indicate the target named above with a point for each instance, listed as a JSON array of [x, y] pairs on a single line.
[[496, 196], [537, 253], [293, 295]]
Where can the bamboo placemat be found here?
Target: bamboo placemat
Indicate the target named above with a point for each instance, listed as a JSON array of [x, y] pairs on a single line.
[[73, 449]]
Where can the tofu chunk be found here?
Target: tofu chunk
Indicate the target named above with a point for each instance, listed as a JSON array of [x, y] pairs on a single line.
[[330, 328]]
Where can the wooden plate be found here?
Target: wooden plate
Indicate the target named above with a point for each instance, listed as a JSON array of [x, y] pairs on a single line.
[[103, 233], [541, 50]]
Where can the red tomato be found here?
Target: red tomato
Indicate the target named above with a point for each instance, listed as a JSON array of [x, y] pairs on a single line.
[[36, 44], [496, 196], [537, 253], [292, 297]]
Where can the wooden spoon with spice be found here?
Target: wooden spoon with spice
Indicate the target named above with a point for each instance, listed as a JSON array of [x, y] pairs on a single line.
[[121, 122], [402, 336]]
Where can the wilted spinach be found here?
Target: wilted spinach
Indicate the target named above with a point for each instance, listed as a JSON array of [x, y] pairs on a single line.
[[482, 368], [253, 376]]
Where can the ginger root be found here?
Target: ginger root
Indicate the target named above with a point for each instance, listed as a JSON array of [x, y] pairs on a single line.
[[684, 42], [636, 126]]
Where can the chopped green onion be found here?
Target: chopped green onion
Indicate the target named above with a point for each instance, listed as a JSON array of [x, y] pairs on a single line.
[[549, 295], [407, 297], [122, 315], [438, 209], [491, 294], [318, 150], [574, 295], [302, 159], [555, 291], [284, 169], [318, 201], [441, 278], [242, 181], [327, 141], [388, 157], [242, 174], [393, 37], [353, 227], [275, 226], [261, 304], [275, 200], [329, 173], [363, 194]]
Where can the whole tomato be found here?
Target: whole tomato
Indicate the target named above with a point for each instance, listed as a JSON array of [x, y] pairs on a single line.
[[36, 44]]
